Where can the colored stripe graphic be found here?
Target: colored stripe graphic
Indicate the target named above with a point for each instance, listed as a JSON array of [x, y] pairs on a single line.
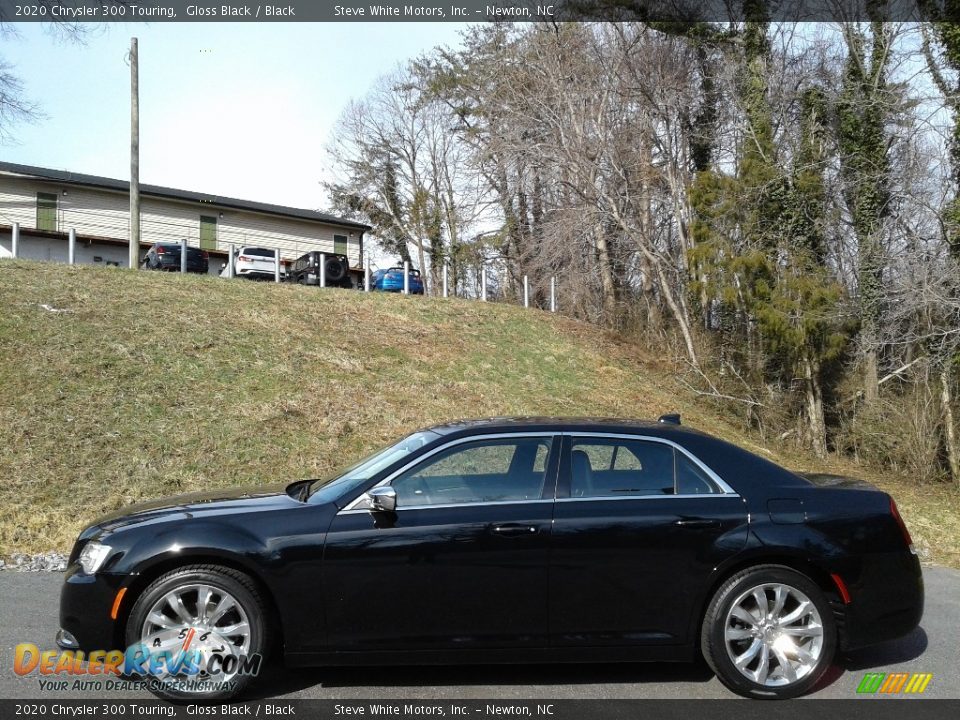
[[871, 682], [893, 683], [922, 685]]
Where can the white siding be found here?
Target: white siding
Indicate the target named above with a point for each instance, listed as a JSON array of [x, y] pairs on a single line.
[[54, 250], [104, 213]]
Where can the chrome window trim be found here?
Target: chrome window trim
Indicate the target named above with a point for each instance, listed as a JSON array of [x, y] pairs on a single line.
[[725, 489], [352, 507], [350, 510], [618, 498]]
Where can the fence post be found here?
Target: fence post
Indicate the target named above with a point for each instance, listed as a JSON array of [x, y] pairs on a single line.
[[553, 294], [483, 284], [183, 255], [406, 277], [445, 293], [322, 280], [72, 247], [526, 292], [15, 240], [230, 268], [366, 274]]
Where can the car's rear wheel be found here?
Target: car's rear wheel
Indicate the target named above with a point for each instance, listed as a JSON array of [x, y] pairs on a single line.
[[769, 633], [198, 625]]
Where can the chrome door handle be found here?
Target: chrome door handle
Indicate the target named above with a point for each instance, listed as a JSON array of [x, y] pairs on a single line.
[[694, 523], [513, 530]]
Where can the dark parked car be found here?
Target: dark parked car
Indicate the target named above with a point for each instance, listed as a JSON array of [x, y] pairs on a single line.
[[166, 256], [391, 280], [306, 270], [525, 539]]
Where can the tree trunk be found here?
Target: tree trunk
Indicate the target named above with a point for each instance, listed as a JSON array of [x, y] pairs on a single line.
[[951, 440], [606, 276], [871, 386], [815, 420], [647, 289]]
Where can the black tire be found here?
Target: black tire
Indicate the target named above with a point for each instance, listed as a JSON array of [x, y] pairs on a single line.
[[243, 590], [334, 270], [713, 632]]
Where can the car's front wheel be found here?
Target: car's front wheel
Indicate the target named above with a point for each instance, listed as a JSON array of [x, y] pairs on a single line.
[[202, 632], [769, 633]]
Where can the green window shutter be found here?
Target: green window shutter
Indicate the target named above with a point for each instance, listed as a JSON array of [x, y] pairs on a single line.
[[208, 232], [47, 212], [340, 244]]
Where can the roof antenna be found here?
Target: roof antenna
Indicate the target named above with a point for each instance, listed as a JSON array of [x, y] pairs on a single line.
[[670, 418]]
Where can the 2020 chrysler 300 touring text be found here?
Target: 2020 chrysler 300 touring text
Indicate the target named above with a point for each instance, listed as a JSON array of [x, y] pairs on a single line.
[[505, 540]]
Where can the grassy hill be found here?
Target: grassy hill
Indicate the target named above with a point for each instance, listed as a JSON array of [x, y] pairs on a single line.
[[151, 384]]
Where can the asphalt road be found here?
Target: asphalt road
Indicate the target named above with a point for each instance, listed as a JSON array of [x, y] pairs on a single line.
[[28, 613]]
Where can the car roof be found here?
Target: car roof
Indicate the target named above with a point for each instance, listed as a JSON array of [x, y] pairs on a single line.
[[738, 467], [561, 424]]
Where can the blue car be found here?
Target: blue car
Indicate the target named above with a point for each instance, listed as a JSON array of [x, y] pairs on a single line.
[[391, 280]]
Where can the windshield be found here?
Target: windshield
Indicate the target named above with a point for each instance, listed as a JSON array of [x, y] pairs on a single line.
[[352, 477]]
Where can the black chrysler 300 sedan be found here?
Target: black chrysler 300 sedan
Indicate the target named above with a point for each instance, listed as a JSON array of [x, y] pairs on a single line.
[[506, 540]]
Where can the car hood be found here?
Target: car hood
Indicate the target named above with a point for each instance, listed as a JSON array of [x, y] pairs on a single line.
[[221, 501]]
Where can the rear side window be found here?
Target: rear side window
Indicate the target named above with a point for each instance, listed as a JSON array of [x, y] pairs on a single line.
[[615, 467], [691, 480]]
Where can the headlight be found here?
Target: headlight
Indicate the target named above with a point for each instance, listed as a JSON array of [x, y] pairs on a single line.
[[92, 556]]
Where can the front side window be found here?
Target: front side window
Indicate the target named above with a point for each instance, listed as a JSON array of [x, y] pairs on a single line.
[[496, 470], [615, 467], [47, 212], [352, 477]]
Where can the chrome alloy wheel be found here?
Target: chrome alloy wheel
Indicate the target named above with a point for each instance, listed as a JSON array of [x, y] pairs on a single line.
[[197, 618], [774, 634]]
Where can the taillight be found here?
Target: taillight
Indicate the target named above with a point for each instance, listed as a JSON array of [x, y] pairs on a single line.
[[206, 255], [161, 251], [903, 526], [243, 257]]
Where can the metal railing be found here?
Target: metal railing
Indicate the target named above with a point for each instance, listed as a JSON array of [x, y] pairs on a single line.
[[15, 242]]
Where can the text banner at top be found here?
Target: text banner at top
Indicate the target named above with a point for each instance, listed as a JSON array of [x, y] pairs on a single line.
[[464, 11]]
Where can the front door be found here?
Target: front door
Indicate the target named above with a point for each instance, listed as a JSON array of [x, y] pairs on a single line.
[[638, 528], [461, 564]]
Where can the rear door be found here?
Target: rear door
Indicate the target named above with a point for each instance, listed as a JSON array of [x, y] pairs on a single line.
[[639, 526], [461, 564]]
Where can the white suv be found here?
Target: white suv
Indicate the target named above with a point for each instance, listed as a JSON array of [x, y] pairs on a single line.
[[254, 262]]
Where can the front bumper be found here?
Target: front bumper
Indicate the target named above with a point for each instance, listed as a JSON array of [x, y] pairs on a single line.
[[85, 605]]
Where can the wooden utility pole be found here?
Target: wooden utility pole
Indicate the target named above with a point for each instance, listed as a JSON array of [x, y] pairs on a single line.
[[134, 157]]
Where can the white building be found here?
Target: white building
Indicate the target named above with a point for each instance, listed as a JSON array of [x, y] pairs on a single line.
[[47, 204]]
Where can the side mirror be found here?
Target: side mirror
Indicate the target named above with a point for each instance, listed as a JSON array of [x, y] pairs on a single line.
[[383, 499]]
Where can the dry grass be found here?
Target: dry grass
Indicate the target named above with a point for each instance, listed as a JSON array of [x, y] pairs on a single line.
[[154, 384]]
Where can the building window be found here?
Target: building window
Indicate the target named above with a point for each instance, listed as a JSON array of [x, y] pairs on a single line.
[[47, 212], [208, 232], [340, 244]]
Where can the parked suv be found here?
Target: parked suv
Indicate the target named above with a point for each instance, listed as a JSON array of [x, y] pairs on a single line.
[[255, 263], [166, 256], [306, 270]]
